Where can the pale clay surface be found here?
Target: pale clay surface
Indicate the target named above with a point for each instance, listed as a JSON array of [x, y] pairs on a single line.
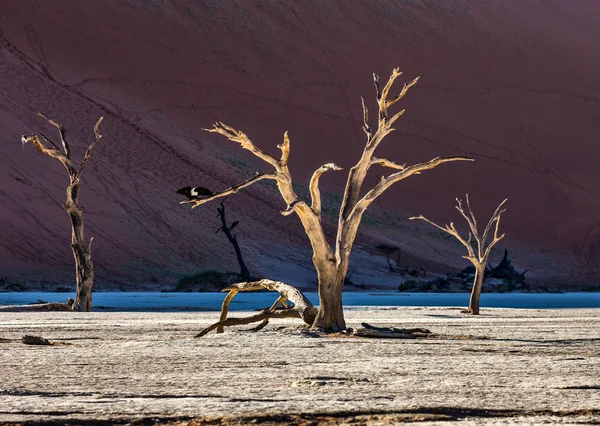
[[149, 364]]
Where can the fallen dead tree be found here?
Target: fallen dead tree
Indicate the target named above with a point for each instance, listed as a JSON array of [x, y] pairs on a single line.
[[369, 330], [301, 308], [39, 307]]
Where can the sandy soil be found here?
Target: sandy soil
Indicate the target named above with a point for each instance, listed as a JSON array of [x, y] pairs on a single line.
[[505, 366]]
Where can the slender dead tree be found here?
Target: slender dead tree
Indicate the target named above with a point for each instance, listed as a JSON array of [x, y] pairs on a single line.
[[226, 229], [82, 250], [330, 262], [479, 259], [388, 251]]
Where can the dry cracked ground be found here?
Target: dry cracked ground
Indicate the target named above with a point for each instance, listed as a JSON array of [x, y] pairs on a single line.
[[506, 366]]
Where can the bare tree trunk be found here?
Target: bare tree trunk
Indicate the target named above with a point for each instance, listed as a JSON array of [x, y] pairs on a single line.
[[476, 290], [244, 272], [82, 251], [331, 312]]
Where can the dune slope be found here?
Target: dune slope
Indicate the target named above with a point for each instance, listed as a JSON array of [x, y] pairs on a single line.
[[516, 86]]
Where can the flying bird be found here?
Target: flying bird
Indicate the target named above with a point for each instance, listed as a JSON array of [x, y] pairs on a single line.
[[195, 192]]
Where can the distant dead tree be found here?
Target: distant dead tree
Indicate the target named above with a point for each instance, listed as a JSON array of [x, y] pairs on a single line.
[[82, 250], [388, 250], [226, 229], [479, 259], [332, 263]]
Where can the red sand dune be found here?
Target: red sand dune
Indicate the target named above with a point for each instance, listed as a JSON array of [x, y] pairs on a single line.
[[513, 84]]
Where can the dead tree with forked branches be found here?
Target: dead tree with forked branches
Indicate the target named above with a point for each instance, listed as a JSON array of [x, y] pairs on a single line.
[[82, 249], [330, 262], [479, 259]]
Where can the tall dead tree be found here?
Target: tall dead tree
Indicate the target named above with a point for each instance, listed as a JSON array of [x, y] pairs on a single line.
[[227, 230], [82, 249], [330, 262], [479, 259]]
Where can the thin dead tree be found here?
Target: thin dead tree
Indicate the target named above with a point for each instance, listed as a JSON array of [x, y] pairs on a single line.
[[330, 262], [479, 259], [82, 249], [227, 230]]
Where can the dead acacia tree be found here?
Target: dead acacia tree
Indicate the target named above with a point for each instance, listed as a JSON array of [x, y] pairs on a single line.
[[82, 249], [227, 230], [330, 262], [479, 259]]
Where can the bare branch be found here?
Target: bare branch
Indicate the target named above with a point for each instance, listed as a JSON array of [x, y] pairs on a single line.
[[240, 137], [231, 190], [496, 215], [366, 126], [387, 163], [88, 152], [491, 245], [383, 101], [386, 89], [392, 120], [467, 244], [472, 225], [61, 131], [377, 88], [290, 208], [471, 211], [315, 192], [53, 152], [402, 93], [445, 228], [285, 150], [386, 182], [449, 229]]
